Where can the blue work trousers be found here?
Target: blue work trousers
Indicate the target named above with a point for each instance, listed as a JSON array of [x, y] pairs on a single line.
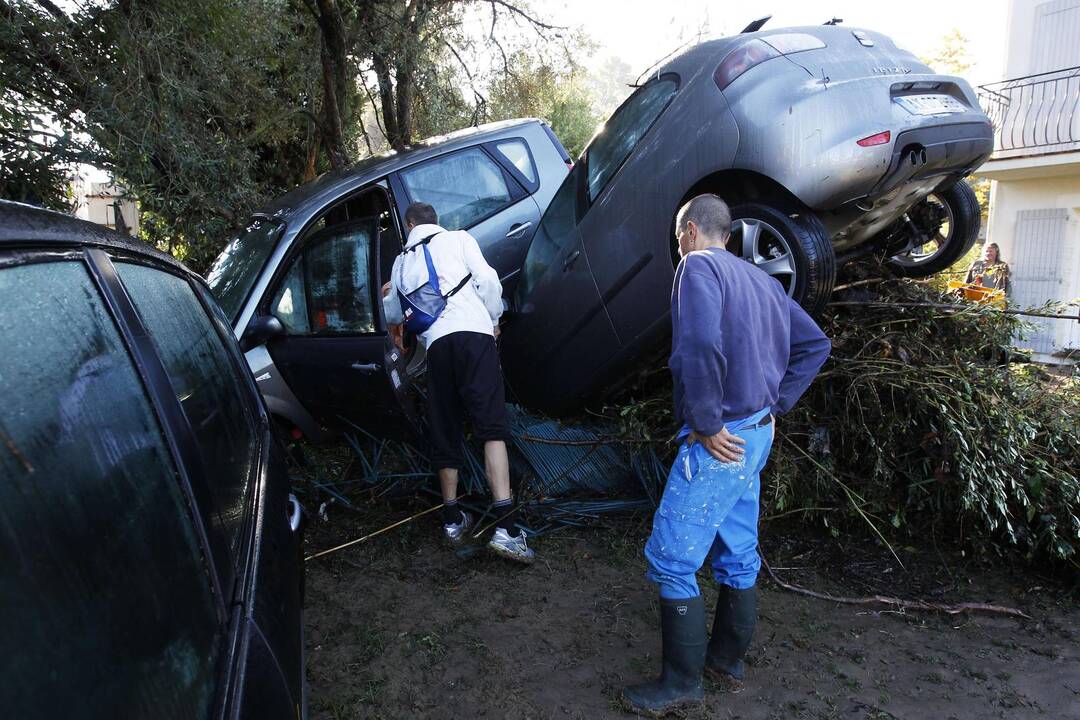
[[709, 505]]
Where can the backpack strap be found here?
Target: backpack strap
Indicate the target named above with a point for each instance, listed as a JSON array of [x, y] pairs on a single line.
[[460, 285], [425, 241], [433, 277]]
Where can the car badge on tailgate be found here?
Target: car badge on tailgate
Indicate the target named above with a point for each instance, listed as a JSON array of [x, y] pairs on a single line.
[[891, 70]]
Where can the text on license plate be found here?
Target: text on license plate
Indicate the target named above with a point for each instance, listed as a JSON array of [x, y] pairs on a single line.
[[930, 104]]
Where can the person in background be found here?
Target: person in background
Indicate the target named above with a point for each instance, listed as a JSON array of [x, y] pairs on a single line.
[[990, 271], [464, 375], [741, 351]]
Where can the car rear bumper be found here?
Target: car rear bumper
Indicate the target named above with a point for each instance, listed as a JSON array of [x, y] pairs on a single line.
[[804, 132], [939, 150]]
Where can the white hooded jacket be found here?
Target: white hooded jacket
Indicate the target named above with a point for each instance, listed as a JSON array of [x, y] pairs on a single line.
[[455, 254]]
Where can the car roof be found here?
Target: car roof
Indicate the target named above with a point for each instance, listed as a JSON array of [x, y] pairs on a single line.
[[372, 168], [27, 225], [690, 59]]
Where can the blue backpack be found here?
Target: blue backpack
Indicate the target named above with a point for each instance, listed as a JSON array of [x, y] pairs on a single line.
[[422, 306]]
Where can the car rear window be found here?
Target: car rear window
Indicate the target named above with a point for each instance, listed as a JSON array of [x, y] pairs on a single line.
[[206, 382], [237, 269], [106, 601], [517, 152], [624, 130]]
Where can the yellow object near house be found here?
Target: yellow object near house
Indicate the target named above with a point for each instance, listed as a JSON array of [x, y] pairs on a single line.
[[978, 293]]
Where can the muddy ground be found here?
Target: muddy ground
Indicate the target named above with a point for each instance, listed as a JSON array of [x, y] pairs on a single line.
[[401, 627]]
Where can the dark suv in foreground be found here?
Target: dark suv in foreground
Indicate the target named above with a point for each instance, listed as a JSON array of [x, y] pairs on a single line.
[[150, 545]]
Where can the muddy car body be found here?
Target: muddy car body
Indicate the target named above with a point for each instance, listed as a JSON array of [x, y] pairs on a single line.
[[827, 142], [300, 283]]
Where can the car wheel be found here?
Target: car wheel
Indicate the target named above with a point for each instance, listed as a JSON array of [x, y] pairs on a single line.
[[946, 225], [792, 247]]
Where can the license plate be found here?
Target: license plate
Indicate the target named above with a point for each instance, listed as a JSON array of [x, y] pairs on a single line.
[[930, 104]]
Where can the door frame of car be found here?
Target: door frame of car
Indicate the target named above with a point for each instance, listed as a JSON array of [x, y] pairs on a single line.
[[230, 577]]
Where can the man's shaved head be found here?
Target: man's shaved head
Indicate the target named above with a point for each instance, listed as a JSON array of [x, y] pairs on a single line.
[[709, 213]]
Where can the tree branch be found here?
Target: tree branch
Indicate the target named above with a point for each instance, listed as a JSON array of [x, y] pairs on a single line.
[[53, 9], [537, 24], [897, 602]]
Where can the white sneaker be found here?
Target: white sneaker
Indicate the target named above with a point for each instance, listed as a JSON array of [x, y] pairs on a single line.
[[455, 532], [511, 547]]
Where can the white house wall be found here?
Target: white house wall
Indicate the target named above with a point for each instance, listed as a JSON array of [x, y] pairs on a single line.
[[1010, 198], [1042, 36]]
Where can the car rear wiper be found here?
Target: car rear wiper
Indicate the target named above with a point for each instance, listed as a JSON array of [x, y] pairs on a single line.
[[756, 25]]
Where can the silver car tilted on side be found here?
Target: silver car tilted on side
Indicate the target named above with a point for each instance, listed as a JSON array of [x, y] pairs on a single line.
[[827, 142]]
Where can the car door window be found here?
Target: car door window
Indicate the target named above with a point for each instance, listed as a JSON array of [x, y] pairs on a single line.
[[328, 288], [211, 391], [463, 187], [517, 152], [557, 229], [624, 130], [290, 302], [107, 605]]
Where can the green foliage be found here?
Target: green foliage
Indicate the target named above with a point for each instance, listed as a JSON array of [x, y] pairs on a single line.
[[533, 87], [952, 57], [206, 109], [916, 416], [609, 84], [30, 172], [197, 106]]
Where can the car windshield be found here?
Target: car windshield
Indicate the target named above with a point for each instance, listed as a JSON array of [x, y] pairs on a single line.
[[238, 267]]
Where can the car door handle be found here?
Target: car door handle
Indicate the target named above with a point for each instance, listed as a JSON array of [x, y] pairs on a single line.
[[570, 260], [294, 513], [518, 230], [366, 367]]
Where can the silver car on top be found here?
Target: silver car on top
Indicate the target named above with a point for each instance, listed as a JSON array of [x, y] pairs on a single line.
[[828, 143]]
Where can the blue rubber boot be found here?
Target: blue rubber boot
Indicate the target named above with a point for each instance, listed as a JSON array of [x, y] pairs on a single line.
[[682, 624]]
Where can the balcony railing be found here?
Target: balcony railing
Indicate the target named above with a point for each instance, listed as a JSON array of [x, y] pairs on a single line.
[[1034, 115]]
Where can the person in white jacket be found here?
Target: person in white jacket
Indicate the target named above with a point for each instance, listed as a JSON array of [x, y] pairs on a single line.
[[464, 375]]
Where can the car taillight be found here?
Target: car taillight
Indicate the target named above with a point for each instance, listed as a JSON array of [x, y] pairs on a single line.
[[879, 139], [741, 59]]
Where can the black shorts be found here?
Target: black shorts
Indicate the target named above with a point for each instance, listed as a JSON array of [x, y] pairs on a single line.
[[464, 376]]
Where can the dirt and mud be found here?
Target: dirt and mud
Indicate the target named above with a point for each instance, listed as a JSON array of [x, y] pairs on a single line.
[[402, 627]]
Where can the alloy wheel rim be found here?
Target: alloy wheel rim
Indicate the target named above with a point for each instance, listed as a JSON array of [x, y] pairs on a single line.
[[936, 244], [766, 247]]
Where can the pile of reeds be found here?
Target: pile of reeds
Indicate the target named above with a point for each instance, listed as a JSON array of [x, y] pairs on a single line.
[[920, 425]]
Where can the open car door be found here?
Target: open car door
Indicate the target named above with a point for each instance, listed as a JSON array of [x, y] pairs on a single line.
[[336, 353]]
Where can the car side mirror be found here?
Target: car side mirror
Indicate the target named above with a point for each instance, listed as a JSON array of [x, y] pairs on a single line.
[[259, 330]]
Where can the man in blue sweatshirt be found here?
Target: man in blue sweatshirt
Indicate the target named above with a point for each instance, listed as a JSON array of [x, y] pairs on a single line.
[[742, 351]]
